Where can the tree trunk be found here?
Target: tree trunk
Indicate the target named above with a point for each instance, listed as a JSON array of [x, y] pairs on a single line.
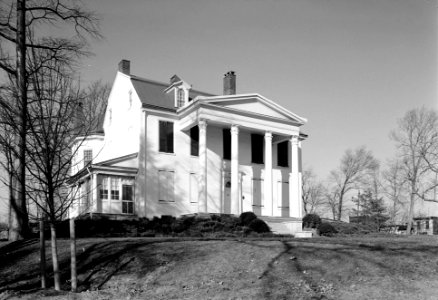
[[341, 200], [42, 255], [410, 214], [21, 209], [56, 276], [13, 224], [74, 277]]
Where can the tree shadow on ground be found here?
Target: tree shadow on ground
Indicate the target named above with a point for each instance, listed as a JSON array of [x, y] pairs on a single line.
[[96, 263], [10, 256], [312, 265]]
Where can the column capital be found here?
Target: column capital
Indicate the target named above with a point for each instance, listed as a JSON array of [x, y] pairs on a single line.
[[294, 139], [202, 124], [234, 129], [268, 135]]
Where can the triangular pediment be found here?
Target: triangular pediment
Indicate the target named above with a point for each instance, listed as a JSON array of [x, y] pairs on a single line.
[[257, 105], [128, 161]]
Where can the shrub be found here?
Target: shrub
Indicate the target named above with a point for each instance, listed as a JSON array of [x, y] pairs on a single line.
[[247, 217], [259, 226], [354, 228], [311, 221], [326, 229]]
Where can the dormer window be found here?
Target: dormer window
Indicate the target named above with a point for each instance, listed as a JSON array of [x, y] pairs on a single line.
[[179, 89], [180, 101]]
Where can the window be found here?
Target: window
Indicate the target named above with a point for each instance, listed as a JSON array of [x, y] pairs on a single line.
[[166, 185], [180, 98], [115, 193], [427, 224], [226, 142], [283, 154], [127, 199], [88, 157], [166, 137], [104, 189], [194, 141], [257, 148]]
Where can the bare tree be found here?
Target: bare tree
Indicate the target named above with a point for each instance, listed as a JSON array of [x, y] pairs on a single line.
[[94, 105], [54, 100], [416, 140], [393, 185], [355, 170], [332, 202], [51, 115], [313, 192], [20, 21]]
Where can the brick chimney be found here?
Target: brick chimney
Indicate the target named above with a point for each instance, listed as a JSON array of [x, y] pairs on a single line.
[[125, 66], [230, 83]]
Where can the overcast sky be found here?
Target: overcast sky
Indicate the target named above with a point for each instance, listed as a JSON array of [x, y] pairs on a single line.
[[351, 67]]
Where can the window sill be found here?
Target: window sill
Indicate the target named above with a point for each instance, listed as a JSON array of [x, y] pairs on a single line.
[[167, 153]]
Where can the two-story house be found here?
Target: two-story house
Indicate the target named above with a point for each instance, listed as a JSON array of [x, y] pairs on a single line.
[[168, 149]]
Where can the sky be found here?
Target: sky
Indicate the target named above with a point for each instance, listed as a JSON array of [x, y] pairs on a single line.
[[351, 67]]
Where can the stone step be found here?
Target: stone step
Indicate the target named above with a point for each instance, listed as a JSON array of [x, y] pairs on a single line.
[[285, 225]]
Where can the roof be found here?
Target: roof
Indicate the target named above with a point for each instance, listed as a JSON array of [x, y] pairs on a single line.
[[151, 93]]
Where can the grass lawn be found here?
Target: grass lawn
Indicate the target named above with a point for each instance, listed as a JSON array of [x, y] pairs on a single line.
[[165, 268]]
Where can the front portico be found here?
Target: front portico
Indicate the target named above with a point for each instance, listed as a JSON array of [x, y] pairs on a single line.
[[258, 186]]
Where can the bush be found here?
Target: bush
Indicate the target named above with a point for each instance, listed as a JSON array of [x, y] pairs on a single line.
[[247, 217], [259, 226], [311, 221], [326, 229], [354, 228]]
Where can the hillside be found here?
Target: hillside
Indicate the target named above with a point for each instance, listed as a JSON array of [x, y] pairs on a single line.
[[175, 268]]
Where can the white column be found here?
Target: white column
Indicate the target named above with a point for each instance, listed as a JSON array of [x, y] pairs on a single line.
[[295, 206], [267, 202], [235, 170], [300, 177], [202, 197]]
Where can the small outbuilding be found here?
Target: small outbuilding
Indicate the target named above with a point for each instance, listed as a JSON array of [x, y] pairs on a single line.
[[425, 225]]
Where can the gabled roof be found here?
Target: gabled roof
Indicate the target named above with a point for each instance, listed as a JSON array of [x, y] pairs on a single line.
[[124, 164], [128, 161], [152, 93]]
